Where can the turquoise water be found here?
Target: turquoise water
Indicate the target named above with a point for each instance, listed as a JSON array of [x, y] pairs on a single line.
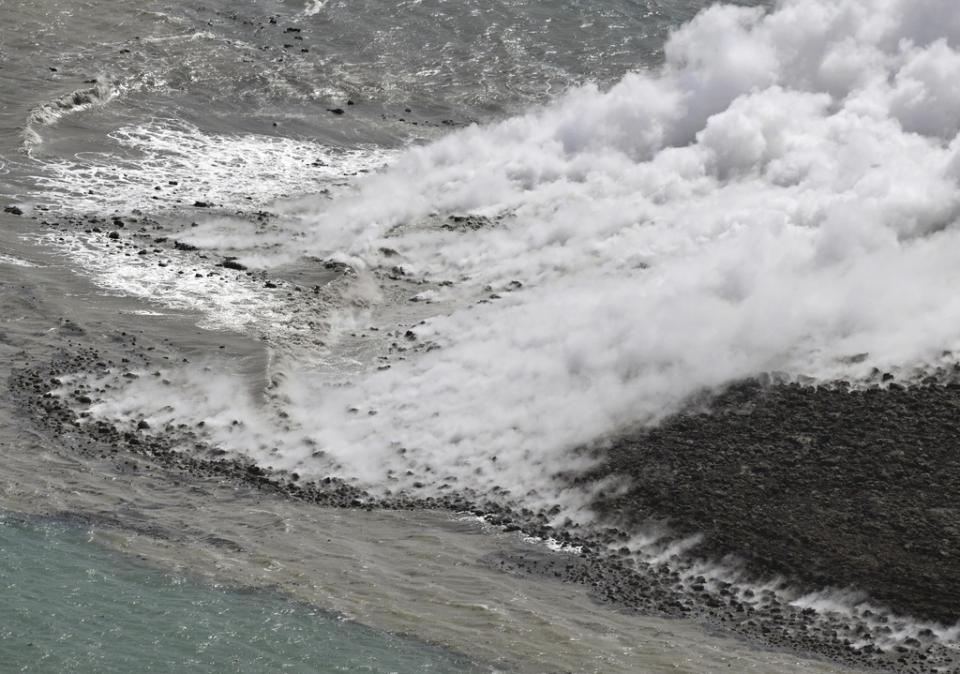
[[68, 605]]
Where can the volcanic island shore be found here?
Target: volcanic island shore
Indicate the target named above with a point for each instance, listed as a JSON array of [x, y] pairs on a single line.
[[815, 487], [757, 497]]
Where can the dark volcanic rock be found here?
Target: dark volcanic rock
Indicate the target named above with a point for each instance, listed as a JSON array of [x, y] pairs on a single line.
[[831, 486], [467, 222], [231, 263], [13, 210]]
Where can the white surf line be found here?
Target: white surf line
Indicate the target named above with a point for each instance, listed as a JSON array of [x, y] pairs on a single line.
[[313, 7], [179, 164], [15, 261], [885, 629]]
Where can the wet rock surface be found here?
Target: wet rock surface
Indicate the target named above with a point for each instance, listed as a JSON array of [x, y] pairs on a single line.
[[833, 487]]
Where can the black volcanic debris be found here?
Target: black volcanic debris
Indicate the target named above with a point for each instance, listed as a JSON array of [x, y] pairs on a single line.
[[836, 487], [160, 451], [231, 263]]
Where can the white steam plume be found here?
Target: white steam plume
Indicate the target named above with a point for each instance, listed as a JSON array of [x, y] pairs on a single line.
[[780, 195]]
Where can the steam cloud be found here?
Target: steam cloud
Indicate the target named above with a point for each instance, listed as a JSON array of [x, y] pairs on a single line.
[[782, 194]]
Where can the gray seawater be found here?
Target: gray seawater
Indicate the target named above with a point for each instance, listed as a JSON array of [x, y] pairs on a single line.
[[71, 606], [104, 105]]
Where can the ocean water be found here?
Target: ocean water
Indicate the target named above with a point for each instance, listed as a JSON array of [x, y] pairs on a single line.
[[466, 239], [70, 606]]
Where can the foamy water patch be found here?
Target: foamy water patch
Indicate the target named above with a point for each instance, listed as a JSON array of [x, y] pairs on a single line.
[[314, 7], [222, 298], [51, 112], [15, 261], [169, 163]]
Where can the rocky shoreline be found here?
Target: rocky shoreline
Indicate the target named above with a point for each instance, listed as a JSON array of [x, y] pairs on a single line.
[[678, 587], [834, 487]]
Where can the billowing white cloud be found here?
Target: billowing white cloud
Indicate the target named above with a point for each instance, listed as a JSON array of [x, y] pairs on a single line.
[[781, 194]]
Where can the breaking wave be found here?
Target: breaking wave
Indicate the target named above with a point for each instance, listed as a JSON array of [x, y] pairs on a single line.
[[51, 112], [168, 163]]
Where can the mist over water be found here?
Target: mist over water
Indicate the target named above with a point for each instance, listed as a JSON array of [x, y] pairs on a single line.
[[779, 196]]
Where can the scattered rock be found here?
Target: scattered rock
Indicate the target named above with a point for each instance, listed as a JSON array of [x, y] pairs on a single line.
[[467, 222], [803, 481], [231, 263]]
